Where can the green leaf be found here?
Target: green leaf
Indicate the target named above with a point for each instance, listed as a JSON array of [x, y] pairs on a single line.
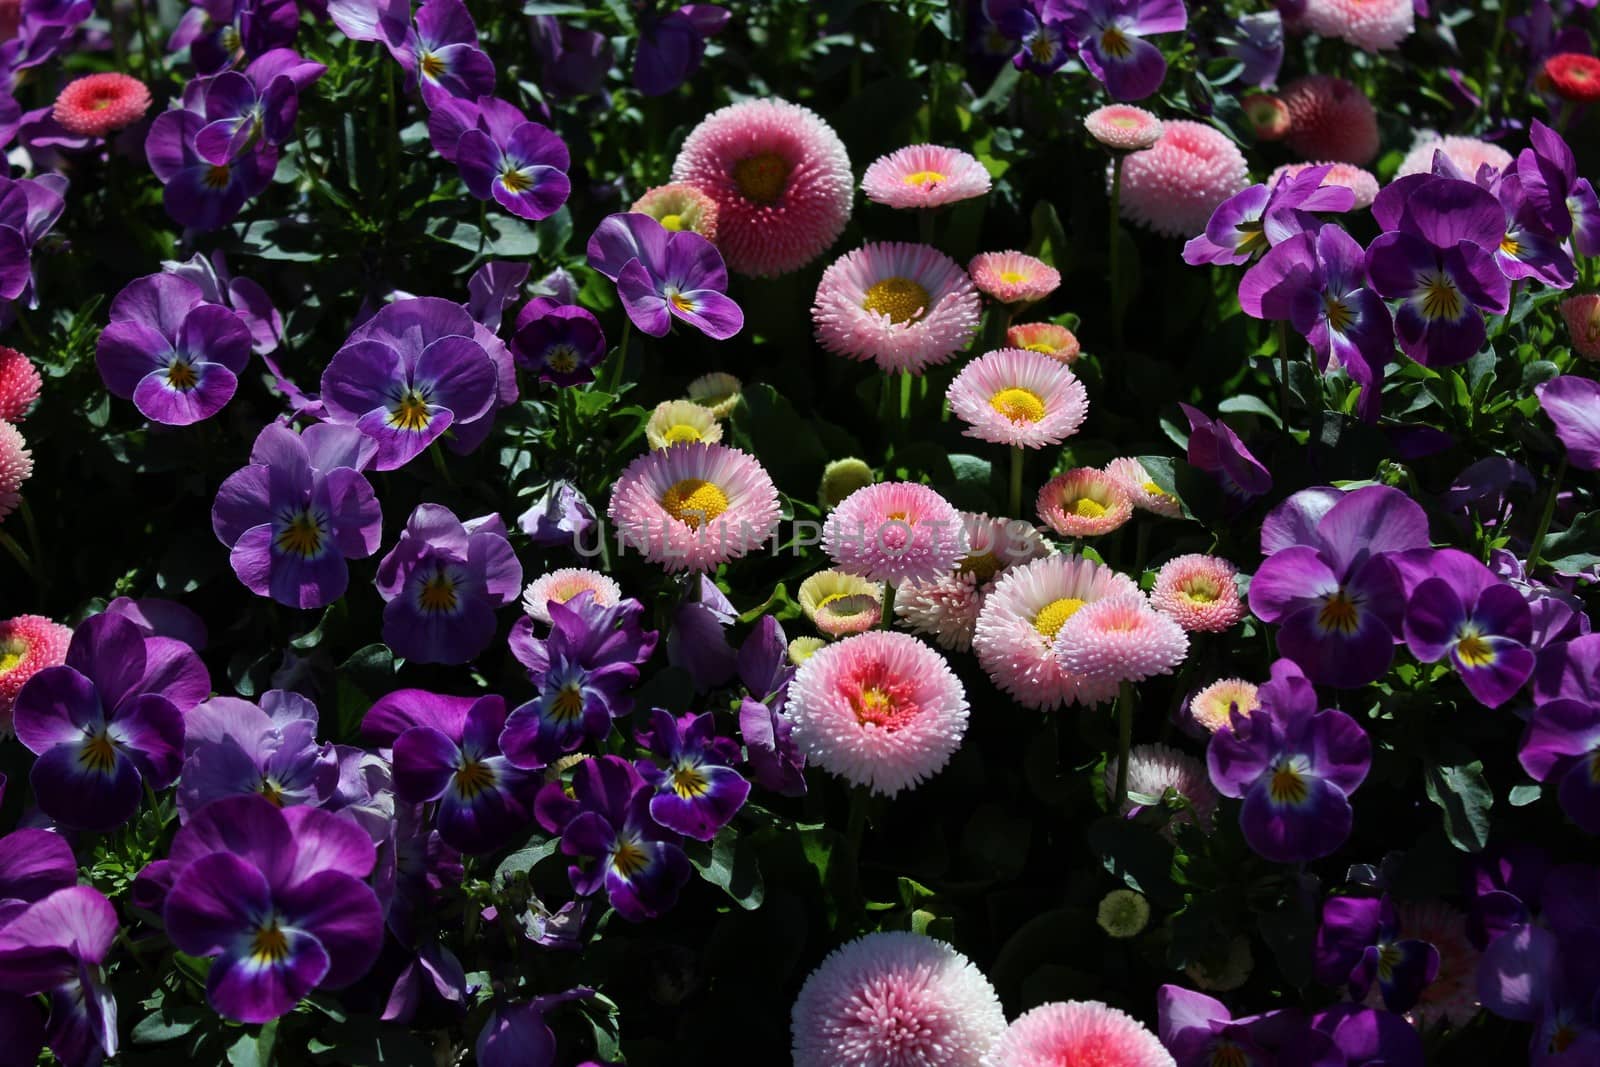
[[1138, 855], [731, 866], [1464, 796], [1524, 794], [524, 860], [1248, 403], [168, 1025]]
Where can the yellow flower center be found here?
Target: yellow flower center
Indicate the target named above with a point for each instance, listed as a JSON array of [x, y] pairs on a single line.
[[629, 858], [1018, 404], [1339, 314], [11, 654], [1055, 614], [302, 537], [1202, 591], [411, 412], [899, 298], [432, 65], [568, 703], [1013, 277], [689, 783], [925, 178], [1086, 507], [272, 791], [1339, 614], [515, 181], [1388, 957], [99, 753], [1041, 346], [1288, 785], [982, 566], [181, 376], [874, 707], [472, 778], [1252, 236], [563, 359], [681, 302], [438, 593], [1440, 298], [694, 501], [680, 433], [762, 177], [269, 944], [672, 222], [1229, 1056], [1474, 650], [1510, 245]]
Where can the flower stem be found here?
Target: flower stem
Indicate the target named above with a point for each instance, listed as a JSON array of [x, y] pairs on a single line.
[[1124, 742], [1494, 51], [1549, 513], [1016, 483], [886, 618], [857, 825], [1511, 305], [1116, 276], [905, 401], [613, 380], [1283, 373]]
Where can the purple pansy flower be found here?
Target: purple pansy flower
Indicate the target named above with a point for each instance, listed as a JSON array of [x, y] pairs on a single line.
[[520, 165], [1359, 944], [1434, 258], [233, 748], [697, 791], [671, 47], [562, 516], [1249, 222], [276, 897], [1199, 1031], [221, 33], [562, 343], [247, 299], [298, 511], [1464, 612], [1527, 249], [1256, 41], [1335, 595], [663, 275], [1036, 28], [492, 288], [516, 1034], [1370, 1037], [440, 52], [29, 207], [482, 798], [33, 864], [1217, 450], [443, 581], [572, 61], [56, 946], [1294, 766], [1564, 203], [697, 640], [1573, 404], [253, 111], [1562, 746], [198, 193], [409, 373], [1110, 40], [372, 20], [108, 722]]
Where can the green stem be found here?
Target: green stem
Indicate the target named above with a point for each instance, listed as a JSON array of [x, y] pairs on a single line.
[[1494, 50], [886, 618], [1124, 743], [1016, 482], [9, 543], [1549, 513], [613, 380], [147, 53], [1283, 373], [905, 400], [1564, 116], [1116, 277], [1511, 305], [856, 827]]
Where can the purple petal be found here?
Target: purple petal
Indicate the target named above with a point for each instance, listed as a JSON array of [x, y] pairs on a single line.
[[43, 947], [516, 1036], [1515, 971], [1376, 518], [34, 864], [247, 991], [624, 237], [174, 671], [1290, 580], [643, 303], [109, 650], [402, 709], [126, 352], [723, 793], [160, 401], [150, 729], [456, 374], [344, 916], [425, 760], [215, 334], [712, 313], [1573, 404], [249, 827], [1295, 832], [214, 902], [80, 796], [1560, 731], [327, 841], [360, 377], [55, 707], [1433, 620]]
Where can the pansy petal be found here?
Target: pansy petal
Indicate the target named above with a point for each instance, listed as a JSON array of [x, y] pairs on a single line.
[[159, 401], [55, 707], [248, 990], [79, 792], [1559, 731], [34, 864], [424, 762], [1434, 616], [344, 915], [1309, 829], [110, 651], [214, 903], [645, 305], [174, 671], [149, 728], [327, 841]]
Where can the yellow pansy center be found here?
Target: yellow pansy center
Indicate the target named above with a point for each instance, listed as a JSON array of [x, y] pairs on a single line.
[[1440, 297], [181, 376], [269, 944], [681, 302], [694, 501], [1018, 404], [272, 791], [515, 180], [688, 782], [567, 705], [1474, 650], [1510, 245], [899, 298], [1287, 785], [1339, 614], [99, 753], [432, 65], [301, 537], [472, 777], [217, 176], [563, 359], [438, 593], [628, 858], [1055, 614], [1114, 43], [410, 412], [762, 177]]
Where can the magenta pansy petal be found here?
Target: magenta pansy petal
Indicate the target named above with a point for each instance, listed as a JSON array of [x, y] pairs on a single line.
[[344, 916], [327, 841]]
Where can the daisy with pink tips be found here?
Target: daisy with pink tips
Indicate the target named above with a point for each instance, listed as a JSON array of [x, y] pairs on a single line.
[[694, 506], [1370, 25], [16, 467], [1013, 277], [1142, 489], [1154, 769], [840, 604], [947, 608], [1057, 342], [1084, 502], [1199, 593], [1173, 186], [560, 586], [1214, 707], [1120, 639], [924, 176], [28, 644], [904, 306], [19, 385], [678, 206], [881, 710], [1467, 153], [1078, 1031], [1123, 127], [893, 532], [1019, 398], [1331, 118]]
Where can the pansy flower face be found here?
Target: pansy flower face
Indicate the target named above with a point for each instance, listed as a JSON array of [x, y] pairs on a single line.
[[523, 170], [482, 798], [1477, 621], [441, 51], [1110, 41], [1562, 746], [572, 705], [697, 793], [639, 865], [1359, 945]]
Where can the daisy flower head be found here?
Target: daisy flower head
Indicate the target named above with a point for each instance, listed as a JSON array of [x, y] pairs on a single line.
[[1214, 706], [1329, 118], [1268, 117], [780, 178], [1370, 25], [16, 465], [718, 391], [1573, 76], [904, 306], [681, 422], [28, 644], [803, 648], [1199, 592], [1057, 342], [1154, 769], [924, 176], [694, 506], [839, 604], [99, 104], [1019, 622], [19, 385], [1123, 127], [1142, 489], [1013, 277], [895, 999], [1581, 314], [946, 608], [560, 586], [1074, 1032], [1361, 182], [1120, 639], [1084, 502], [1467, 153], [1173, 186], [840, 478], [679, 206], [880, 710], [894, 531], [1020, 398], [1453, 995], [1123, 913]]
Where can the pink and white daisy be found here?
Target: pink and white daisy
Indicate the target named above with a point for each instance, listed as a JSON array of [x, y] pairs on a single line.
[[1214, 706], [1123, 127], [1013, 277], [1019, 622], [780, 178], [16, 465], [28, 644], [718, 391], [681, 422], [924, 176], [1073, 1032], [1453, 995], [1199, 592], [895, 999], [1152, 770], [1120, 639], [947, 608], [881, 710], [1084, 502], [1329, 118], [1361, 182], [1020, 398], [894, 531], [1467, 153], [1057, 342], [1370, 25], [1142, 490], [558, 587], [839, 604], [1173, 186], [99, 104], [19, 385], [679, 206], [904, 306], [1582, 316], [694, 506]]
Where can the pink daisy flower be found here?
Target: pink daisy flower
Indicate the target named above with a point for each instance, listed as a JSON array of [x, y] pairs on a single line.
[[694, 506], [1581, 314], [19, 385], [1013, 277], [880, 710], [780, 178], [1214, 706], [101, 103], [1361, 182], [1021, 398], [1144, 492], [1019, 622], [1078, 1032], [1199, 592], [905, 306], [840, 604], [947, 608], [679, 206], [1084, 502], [1173, 186], [1152, 770], [16, 464], [1123, 127], [1057, 342], [560, 586], [924, 176], [1452, 996], [1467, 153], [1370, 25], [1120, 639], [895, 999], [894, 531], [28, 644], [1329, 118]]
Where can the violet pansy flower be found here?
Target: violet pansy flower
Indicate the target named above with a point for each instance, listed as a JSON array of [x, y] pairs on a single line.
[[253, 111], [220, 33], [697, 791], [516, 1035], [233, 748], [246, 298], [1564, 203], [1465, 613], [492, 288], [441, 54], [1250, 222], [1199, 1031], [1562, 747], [1573, 404], [562, 343], [1527, 249], [1037, 29], [561, 516], [671, 47], [1217, 450], [56, 946], [29, 208], [196, 192], [1359, 945], [482, 798], [1110, 39], [520, 165], [663, 275]]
